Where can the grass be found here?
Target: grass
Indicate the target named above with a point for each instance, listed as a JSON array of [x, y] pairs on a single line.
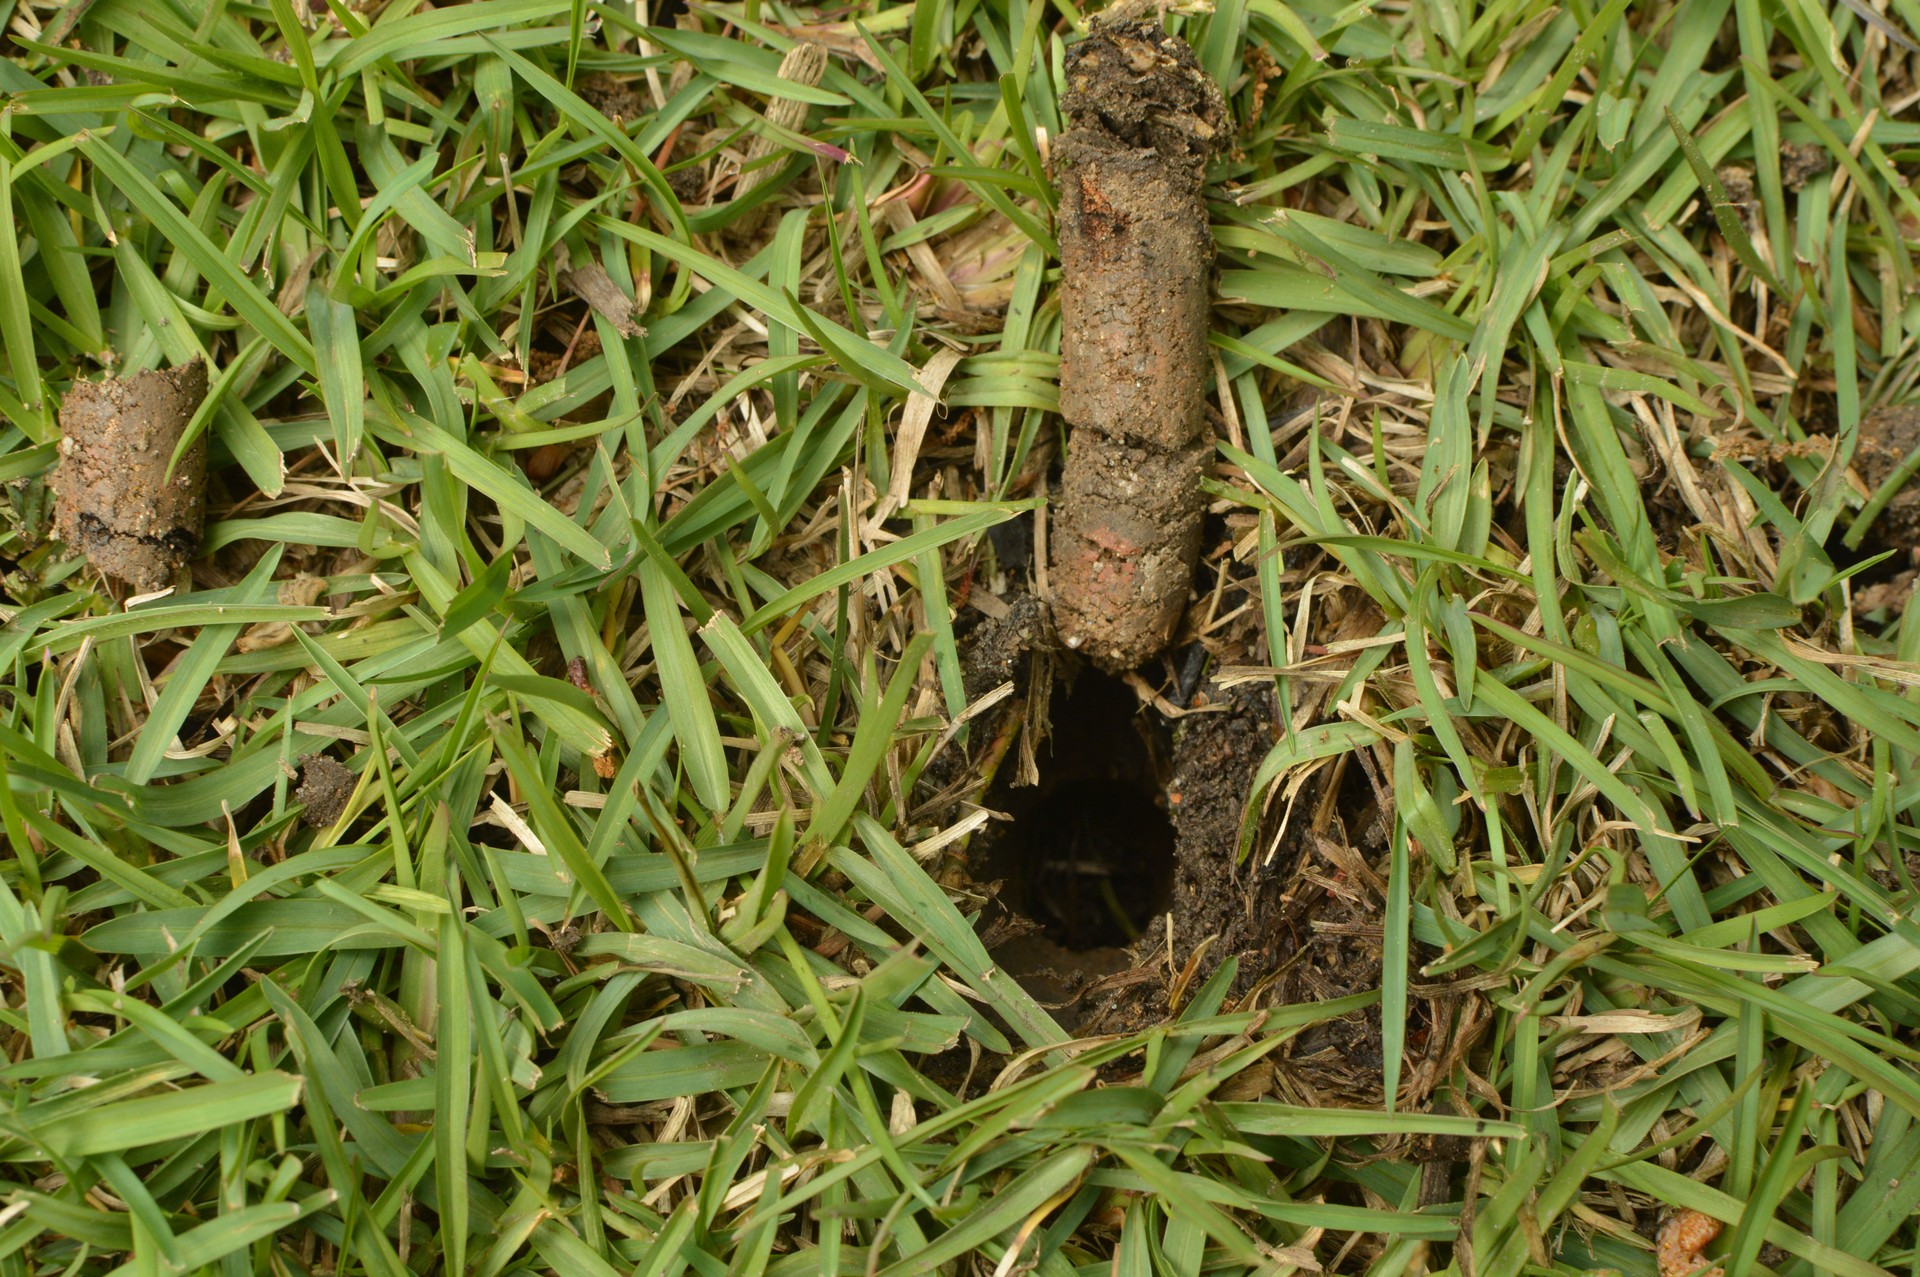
[[1545, 337]]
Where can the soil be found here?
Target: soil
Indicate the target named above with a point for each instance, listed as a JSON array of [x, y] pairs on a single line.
[[1059, 978], [1259, 913], [1338, 951], [1801, 162], [1117, 887], [114, 501], [1215, 756], [1137, 84], [1737, 181], [1088, 856], [1013, 544], [994, 650], [1887, 437], [611, 96], [1294, 941], [325, 788], [1887, 597], [1086, 863], [997, 648], [1136, 256], [1124, 541]]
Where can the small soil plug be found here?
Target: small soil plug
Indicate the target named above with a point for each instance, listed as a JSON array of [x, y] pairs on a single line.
[[1136, 258], [115, 503], [326, 787]]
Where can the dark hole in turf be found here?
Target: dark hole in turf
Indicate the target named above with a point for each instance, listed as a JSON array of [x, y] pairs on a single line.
[[1089, 856], [1872, 546]]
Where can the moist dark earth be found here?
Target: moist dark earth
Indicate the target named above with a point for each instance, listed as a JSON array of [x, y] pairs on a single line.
[[325, 788], [1888, 436], [1116, 889]]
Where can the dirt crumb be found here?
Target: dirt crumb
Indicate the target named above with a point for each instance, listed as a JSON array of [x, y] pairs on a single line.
[[997, 649], [1145, 88], [325, 788], [1737, 181], [1891, 597], [1888, 436], [1801, 162], [611, 96], [115, 503]]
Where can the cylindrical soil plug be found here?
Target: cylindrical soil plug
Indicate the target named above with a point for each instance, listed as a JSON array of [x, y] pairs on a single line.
[[1136, 266], [1136, 259], [115, 503]]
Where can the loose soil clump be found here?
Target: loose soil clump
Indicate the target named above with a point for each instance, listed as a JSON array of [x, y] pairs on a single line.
[[997, 650], [1236, 908], [326, 786], [1801, 162], [1888, 436], [114, 501], [1136, 258]]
